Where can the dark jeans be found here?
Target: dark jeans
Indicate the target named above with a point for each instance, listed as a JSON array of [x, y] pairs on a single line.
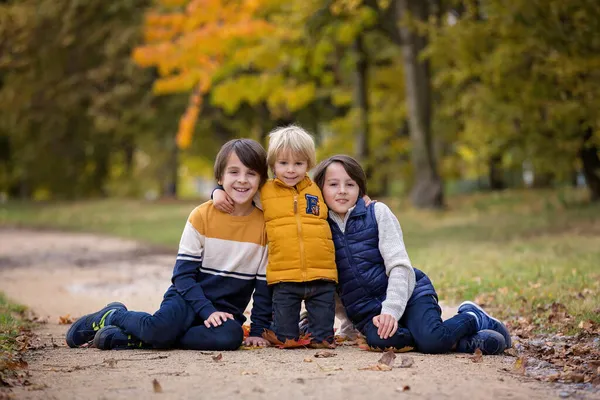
[[319, 300], [422, 327], [175, 325]]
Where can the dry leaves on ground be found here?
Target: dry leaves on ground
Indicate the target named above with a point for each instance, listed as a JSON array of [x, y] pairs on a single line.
[[384, 364], [65, 319], [477, 356], [324, 354], [218, 357], [303, 341], [156, 386]]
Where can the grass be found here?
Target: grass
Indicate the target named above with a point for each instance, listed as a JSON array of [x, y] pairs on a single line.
[[515, 251], [11, 324]]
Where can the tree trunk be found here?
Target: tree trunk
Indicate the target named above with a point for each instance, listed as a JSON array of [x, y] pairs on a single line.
[[361, 102], [591, 165], [496, 173], [172, 169], [427, 191]]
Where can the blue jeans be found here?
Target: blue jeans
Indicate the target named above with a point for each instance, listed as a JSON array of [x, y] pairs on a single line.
[[319, 300], [422, 327], [175, 324]]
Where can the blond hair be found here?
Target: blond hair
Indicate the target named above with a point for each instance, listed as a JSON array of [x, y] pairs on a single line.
[[291, 138]]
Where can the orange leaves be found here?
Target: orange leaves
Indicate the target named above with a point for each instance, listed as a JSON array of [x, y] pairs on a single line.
[[303, 341], [65, 319], [246, 329], [477, 356]]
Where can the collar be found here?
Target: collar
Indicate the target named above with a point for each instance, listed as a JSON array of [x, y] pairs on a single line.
[[300, 186]]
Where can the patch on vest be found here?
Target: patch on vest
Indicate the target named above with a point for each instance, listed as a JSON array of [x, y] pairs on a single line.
[[312, 204]]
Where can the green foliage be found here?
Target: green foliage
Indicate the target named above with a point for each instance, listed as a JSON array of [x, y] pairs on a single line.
[[522, 81], [72, 103]]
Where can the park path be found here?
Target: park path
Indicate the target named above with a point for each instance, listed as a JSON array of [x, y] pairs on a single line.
[[58, 274]]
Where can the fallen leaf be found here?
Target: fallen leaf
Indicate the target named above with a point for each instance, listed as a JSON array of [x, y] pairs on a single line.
[[65, 320], [477, 356], [520, 365], [246, 329], [387, 358], [324, 354], [249, 373], [376, 367], [303, 341], [575, 378], [218, 357], [511, 352], [406, 362], [156, 386], [111, 362], [308, 359]]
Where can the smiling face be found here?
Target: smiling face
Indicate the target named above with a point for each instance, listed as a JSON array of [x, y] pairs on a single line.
[[290, 168], [240, 183], [340, 191]]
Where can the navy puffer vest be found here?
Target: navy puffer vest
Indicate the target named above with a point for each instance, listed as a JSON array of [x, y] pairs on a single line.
[[361, 271]]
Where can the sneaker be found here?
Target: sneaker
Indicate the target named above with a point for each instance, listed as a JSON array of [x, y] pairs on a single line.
[[485, 321], [303, 324], [114, 338], [488, 341], [83, 330]]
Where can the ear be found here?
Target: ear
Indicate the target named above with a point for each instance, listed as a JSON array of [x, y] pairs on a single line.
[[220, 183]]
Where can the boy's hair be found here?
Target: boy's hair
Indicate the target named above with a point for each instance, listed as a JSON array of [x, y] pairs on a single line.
[[352, 167], [294, 139], [250, 153]]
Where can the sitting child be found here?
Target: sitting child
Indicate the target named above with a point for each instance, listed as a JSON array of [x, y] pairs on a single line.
[[221, 261], [377, 284]]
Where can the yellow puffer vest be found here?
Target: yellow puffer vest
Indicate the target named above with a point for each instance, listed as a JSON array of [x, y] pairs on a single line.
[[300, 244]]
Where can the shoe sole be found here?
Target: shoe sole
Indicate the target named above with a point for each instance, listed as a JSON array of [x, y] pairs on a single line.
[[75, 326], [509, 342]]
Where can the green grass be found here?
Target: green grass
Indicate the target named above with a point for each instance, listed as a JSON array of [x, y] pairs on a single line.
[[11, 323], [516, 251], [153, 222]]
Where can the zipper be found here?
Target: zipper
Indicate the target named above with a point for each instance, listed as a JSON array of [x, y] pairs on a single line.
[[300, 241]]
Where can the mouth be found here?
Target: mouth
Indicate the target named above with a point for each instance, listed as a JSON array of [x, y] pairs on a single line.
[[241, 190]]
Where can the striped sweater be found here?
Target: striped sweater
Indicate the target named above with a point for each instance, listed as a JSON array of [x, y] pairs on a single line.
[[220, 263]]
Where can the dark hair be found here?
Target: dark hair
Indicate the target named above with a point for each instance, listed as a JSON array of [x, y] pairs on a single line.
[[352, 167], [250, 153]]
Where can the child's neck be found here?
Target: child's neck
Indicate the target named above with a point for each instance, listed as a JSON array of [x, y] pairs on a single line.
[[242, 210]]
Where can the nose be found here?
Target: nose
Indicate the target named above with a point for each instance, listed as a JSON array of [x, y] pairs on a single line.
[[342, 188], [243, 178]]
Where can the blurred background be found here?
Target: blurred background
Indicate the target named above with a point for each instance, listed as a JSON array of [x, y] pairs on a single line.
[[477, 121], [133, 98]]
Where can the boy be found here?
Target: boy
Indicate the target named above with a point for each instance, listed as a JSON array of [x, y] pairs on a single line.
[[301, 252], [221, 261]]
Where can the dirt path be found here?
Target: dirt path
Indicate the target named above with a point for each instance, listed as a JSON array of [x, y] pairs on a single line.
[[58, 273]]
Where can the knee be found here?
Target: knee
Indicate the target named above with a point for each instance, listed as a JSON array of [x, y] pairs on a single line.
[[230, 337]]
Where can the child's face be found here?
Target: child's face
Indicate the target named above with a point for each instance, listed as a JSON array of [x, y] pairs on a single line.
[[290, 168], [239, 182], [339, 190]]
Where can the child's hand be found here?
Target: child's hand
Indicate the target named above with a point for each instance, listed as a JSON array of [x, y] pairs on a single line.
[[256, 341], [215, 318], [386, 324], [368, 200], [222, 201]]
